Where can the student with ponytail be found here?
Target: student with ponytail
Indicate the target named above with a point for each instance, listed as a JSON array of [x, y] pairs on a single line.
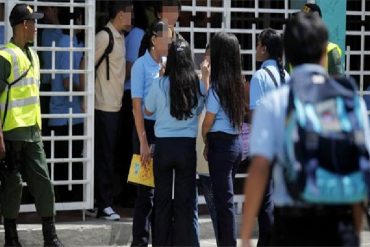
[[270, 76]]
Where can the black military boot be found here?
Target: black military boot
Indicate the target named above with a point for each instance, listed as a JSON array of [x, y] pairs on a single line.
[[11, 234], [50, 235]]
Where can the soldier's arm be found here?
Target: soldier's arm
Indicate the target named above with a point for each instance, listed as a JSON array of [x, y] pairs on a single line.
[[4, 74], [335, 66]]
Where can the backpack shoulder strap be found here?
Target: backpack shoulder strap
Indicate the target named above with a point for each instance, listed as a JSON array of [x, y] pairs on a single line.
[[271, 75], [107, 51]]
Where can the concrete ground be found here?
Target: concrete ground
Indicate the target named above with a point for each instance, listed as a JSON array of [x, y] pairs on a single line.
[[96, 232]]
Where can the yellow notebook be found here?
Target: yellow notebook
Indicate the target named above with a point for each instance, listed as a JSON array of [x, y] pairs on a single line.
[[139, 174]]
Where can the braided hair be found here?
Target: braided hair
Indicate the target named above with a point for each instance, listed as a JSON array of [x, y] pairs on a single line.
[[274, 46]]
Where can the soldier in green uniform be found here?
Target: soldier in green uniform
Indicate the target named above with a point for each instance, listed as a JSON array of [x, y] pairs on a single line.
[[21, 148]]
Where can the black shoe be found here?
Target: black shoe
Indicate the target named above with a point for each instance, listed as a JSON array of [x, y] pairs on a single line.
[[11, 234], [50, 236]]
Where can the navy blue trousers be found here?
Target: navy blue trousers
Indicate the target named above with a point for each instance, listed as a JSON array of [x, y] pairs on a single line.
[[176, 221], [224, 156]]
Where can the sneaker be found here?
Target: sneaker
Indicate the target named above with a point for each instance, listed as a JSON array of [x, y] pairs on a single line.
[[108, 214], [91, 212]]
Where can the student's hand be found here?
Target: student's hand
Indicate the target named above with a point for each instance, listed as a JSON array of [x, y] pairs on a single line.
[[2, 146], [206, 69], [162, 70], [205, 152], [145, 154]]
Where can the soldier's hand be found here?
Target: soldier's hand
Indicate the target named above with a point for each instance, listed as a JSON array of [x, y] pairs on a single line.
[[2, 146]]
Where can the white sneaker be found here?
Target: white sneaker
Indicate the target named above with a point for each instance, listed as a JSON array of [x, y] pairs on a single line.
[[108, 214]]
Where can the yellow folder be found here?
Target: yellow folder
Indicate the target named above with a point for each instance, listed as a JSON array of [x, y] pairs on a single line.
[[140, 174]]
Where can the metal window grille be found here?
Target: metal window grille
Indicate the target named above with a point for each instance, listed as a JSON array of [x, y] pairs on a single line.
[[199, 19], [246, 19]]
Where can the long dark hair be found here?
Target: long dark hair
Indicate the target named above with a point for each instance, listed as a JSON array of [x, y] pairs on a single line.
[[184, 82], [274, 46], [226, 76], [156, 29]]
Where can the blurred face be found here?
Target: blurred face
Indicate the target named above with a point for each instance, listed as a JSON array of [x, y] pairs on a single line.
[[29, 30], [170, 14], [50, 15], [161, 43], [125, 18], [261, 52]]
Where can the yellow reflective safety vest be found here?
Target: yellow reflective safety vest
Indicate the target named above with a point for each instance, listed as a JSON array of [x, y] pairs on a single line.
[[331, 46], [20, 100]]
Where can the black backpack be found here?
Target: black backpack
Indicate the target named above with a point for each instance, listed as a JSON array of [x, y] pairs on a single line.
[[107, 51]]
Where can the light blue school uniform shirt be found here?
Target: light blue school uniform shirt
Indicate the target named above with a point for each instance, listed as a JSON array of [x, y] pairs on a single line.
[[144, 71], [132, 44], [262, 83], [222, 122], [47, 37], [267, 135], [62, 104], [158, 102], [2, 33]]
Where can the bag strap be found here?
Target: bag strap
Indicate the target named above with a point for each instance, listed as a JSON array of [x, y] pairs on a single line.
[[7, 94], [271, 75], [107, 51]]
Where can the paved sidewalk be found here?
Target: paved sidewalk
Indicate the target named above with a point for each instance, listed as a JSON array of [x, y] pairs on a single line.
[[97, 232]]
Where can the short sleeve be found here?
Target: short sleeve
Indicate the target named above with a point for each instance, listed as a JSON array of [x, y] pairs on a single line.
[[256, 91], [101, 43], [133, 45], [212, 102], [262, 139], [137, 80], [150, 99]]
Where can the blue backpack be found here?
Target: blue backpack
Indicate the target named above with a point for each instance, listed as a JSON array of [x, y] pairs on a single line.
[[326, 159]]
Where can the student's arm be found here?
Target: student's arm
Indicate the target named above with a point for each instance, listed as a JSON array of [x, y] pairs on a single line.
[[137, 94], [206, 71], [140, 128], [150, 99], [254, 188], [262, 149], [357, 217], [128, 70]]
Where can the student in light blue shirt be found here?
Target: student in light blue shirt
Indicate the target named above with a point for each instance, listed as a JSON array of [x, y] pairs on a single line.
[[269, 77], [222, 124], [2, 34], [177, 100], [297, 222], [143, 73], [63, 104]]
